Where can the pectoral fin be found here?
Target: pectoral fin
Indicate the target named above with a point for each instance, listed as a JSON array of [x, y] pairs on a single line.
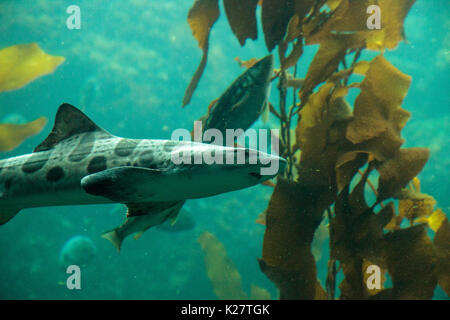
[[121, 184]]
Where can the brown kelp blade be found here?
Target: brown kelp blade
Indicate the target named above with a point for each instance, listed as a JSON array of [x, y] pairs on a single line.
[[201, 18]]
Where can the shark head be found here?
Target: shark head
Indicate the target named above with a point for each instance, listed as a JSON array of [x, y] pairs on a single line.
[[217, 169]]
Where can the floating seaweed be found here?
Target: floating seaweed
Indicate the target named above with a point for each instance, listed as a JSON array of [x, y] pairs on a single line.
[[19, 65], [23, 63], [337, 145], [225, 278]]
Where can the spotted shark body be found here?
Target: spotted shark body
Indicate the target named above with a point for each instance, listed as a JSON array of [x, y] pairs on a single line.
[[81, 163]]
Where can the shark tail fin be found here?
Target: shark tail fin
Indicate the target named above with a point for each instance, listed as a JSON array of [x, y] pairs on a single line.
[[7, 214], [113, 237]]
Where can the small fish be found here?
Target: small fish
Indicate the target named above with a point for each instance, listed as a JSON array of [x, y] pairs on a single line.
[[138, 225], [181, 221], [80, 163], [244, 101]]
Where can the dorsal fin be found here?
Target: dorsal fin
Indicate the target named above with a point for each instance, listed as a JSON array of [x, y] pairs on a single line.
[[68, 122]]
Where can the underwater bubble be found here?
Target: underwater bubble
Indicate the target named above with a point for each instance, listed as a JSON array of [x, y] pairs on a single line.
[[78, 250]]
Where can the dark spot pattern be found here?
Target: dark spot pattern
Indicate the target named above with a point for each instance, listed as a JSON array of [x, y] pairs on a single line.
[[146, 158], [36, 161], [169, 145], [55, 174], [125, 147], [84, 148], [97, 164]]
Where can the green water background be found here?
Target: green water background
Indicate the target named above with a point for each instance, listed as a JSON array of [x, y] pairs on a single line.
[[127, 68]]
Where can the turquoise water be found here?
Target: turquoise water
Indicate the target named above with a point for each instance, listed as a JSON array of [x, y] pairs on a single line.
[[127, 68]]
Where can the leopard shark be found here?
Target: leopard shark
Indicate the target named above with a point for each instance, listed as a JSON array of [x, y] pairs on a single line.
[[80, 163]]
